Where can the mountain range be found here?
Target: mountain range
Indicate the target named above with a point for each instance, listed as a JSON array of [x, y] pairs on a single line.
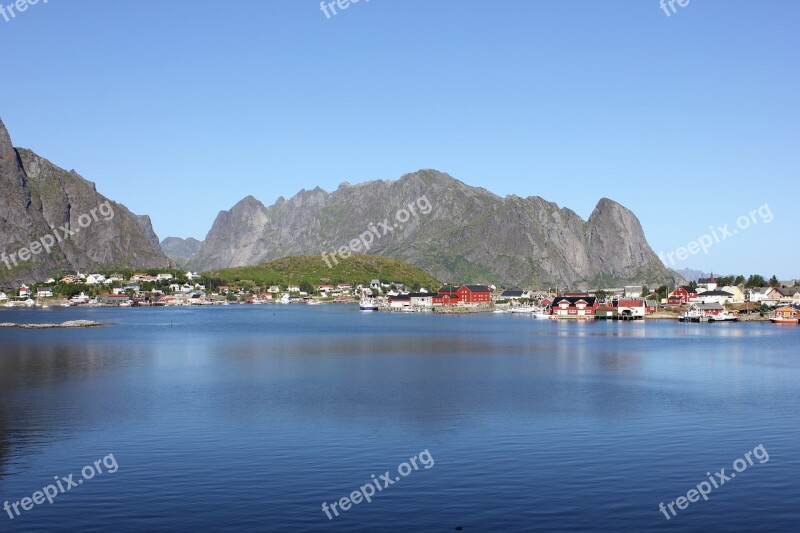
[[455, 232], [468, 234]]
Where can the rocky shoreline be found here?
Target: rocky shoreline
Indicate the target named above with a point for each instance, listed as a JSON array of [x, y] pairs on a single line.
[[68, 324]]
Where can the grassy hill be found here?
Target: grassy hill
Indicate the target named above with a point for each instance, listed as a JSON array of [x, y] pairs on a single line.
[[312, 269]]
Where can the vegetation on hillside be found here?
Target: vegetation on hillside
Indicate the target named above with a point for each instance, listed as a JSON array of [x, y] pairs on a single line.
[[314, 271]]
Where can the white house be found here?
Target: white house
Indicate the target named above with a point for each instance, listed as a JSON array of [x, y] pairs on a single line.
[[274, 289], [191, 276], [632, 308], [164, 277], [24, 291], [633, 291], [715, 297], [422, 300], [3, 297], [294, 288], [44, 292], [95, 279], [758, 294]]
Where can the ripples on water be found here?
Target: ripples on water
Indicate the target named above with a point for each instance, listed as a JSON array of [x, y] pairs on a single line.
[[248, 418]]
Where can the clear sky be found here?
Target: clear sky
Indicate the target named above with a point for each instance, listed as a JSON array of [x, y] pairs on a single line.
[[181, 108]]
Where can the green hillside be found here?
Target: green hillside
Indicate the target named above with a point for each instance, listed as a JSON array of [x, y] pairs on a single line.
[[312, 269]]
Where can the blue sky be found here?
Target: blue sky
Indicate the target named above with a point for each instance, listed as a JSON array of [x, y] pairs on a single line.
[[180, 108]]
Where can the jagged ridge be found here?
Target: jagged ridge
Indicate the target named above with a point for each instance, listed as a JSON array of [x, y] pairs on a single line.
[[470, 234]]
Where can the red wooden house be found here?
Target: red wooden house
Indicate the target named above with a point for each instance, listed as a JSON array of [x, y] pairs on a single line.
[[575, 306], [682, 295], [475, 294]]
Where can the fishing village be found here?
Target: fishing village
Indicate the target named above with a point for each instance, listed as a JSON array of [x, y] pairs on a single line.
[[697, 302]]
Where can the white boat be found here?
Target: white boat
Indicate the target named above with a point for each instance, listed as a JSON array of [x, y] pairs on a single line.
[[724, 316], [541, 313], [368, 304], [284, 299]]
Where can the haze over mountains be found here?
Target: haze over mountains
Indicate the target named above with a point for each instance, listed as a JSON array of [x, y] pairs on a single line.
[[458, 234]]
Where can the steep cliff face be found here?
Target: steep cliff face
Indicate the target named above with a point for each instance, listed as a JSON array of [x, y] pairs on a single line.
[[76, 228], [459, 233]]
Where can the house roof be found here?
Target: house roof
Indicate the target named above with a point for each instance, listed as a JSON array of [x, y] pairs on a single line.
[[714, 293], [512, 294], [477, 288], [788, 291], [709, 307], [590, 300]]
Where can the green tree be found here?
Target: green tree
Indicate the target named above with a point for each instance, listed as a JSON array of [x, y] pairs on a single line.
[[755, 281], [662, 292], [773, 281], [306, 287]]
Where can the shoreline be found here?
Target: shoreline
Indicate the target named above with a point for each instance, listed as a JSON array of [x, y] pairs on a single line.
[[70, 324], [451, 310]]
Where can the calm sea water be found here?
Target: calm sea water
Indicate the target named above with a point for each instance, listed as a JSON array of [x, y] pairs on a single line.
[[249, 418]]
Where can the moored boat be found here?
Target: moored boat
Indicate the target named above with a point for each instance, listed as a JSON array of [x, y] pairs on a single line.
[[368, 304], [785, 315], [724, 316]]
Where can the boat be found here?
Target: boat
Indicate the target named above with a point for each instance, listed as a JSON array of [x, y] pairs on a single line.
[[541, 313], [368, 304], [724, 316], [785, 315]]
